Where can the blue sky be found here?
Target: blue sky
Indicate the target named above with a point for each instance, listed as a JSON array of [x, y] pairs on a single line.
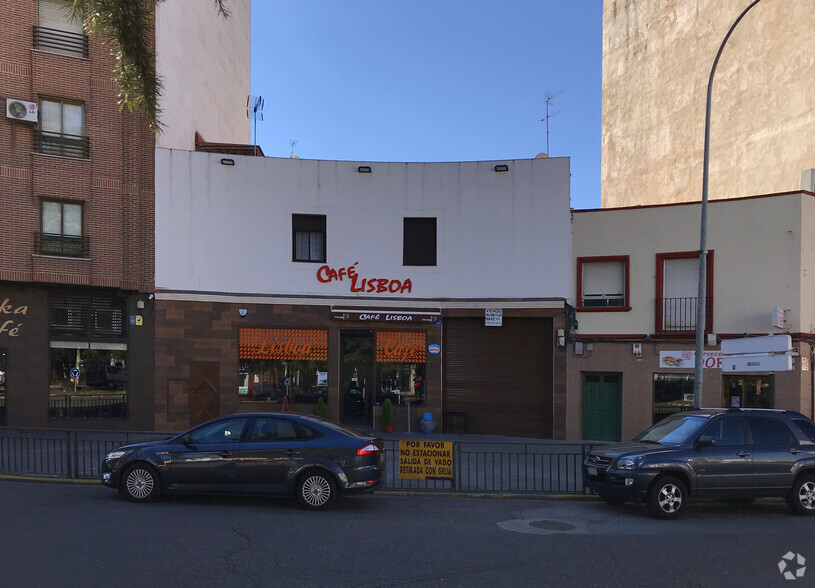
[[447, 80]]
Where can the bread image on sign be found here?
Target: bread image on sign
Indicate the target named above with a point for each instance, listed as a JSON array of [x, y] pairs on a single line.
[[670, 360]]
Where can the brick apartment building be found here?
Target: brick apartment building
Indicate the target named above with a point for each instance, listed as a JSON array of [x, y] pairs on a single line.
[[77, 202]]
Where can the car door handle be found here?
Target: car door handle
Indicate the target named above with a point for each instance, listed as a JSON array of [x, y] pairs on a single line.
[[742, 454], [794, 450]]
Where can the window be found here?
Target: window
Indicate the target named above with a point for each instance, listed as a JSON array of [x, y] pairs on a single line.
[[57, 32], [2, 387], [62, 129], [88, 380], [770, 431], [400, 367], [727, 432], [602, 283], [283, 365], [419, 241], [269, 429], [61, 230], [308, 237], [672, 393], [226, 431], [677, 284], [807, 428]]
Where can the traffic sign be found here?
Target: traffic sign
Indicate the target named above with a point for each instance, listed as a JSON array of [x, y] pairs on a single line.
[[74, 373]]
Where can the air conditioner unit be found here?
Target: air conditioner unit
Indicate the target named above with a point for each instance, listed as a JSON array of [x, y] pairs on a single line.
[[21, 110]]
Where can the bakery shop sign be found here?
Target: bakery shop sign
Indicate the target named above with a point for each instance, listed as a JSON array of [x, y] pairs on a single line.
[[327, 274], [11, 326], [687, 359]]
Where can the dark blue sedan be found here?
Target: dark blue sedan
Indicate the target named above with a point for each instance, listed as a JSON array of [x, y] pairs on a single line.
[[313, 459]]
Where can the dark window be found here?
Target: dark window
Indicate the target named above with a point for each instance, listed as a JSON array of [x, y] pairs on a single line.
[[227, 431], [419, 245], [267, 429], [770, 431], [726, 432], [308, 237], [93, 316], [806, 428], [672, 393]]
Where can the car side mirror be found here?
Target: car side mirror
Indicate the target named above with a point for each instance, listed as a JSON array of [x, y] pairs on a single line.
[[705, 441]]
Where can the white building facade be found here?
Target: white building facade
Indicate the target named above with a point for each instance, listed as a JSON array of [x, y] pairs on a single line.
[[358, 282]]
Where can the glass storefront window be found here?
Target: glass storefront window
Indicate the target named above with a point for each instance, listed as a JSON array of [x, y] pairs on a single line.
[[672, 393], [88, 381], [749, 391], [400, 367], [283, 363], [2, 387]]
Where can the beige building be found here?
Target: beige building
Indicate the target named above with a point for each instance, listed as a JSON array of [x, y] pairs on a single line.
[[657, 56], [631, 355]]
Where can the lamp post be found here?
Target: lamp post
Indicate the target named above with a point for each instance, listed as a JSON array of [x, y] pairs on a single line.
[[701, 300]]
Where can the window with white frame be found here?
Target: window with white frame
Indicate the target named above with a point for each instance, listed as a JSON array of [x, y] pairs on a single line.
[[677, 291], [602, 282]]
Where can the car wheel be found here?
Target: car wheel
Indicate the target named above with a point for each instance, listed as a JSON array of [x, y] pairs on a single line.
[[802, 496], [316, 490], [141, 483], [667, 497]]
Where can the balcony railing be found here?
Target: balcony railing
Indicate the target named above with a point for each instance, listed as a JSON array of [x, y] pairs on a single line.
[[64, 145], [678, 315], [45, 244], [62, 42]]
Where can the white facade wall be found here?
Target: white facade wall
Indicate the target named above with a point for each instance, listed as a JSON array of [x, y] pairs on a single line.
[[758, 245], [228, 229], [204, 61]]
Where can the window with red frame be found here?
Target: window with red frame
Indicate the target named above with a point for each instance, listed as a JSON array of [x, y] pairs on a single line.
[[602, 283], [677, 289]]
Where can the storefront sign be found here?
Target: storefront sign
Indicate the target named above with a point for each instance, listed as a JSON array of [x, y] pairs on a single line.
[[11, 327], [401, 347], [387, 316], [493, 317], [327, 274], [283, 344], [434, 349], [686, 359], [425, 459]]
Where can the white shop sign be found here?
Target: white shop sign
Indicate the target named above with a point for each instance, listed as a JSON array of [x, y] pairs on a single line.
[[758, 363]]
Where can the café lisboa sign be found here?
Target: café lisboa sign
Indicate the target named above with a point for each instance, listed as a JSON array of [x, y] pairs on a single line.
[[327, 274]]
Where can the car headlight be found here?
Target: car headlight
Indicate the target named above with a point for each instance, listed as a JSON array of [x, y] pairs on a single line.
[[116, 455], [629, 463]]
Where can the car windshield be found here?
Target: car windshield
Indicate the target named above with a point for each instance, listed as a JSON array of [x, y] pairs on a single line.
[[672, 431]]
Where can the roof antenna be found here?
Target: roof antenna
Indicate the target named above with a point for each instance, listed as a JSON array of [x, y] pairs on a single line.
[[546, 118], [254, 110], [292, 144]]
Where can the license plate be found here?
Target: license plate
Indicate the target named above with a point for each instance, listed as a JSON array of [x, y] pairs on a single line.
[[591, 470]]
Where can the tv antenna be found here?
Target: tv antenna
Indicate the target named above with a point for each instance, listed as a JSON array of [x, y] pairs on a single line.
[[292, 144], [254, 110], [546, 118]]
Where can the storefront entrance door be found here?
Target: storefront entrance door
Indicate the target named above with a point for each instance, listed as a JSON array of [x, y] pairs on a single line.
[[753, 391], [602, 406], [357, 385]]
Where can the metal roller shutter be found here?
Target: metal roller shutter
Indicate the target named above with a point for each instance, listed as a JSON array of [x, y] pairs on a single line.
[[500, 377]]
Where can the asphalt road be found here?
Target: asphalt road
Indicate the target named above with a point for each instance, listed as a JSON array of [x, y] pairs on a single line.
[[86, 535]]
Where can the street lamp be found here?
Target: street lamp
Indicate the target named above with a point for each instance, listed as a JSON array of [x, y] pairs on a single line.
[[701, 300]]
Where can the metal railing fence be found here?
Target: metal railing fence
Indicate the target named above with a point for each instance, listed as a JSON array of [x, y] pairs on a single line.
[[503, 467]]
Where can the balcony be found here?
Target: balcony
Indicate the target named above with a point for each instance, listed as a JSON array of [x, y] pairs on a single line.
[[60, 144], [62, 42], [678, 315], [45, 244]]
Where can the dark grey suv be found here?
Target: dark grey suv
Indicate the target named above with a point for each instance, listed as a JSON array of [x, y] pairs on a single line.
[[731, 453]]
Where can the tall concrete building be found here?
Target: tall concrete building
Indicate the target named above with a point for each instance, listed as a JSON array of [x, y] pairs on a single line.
[[657, 56], [77, 203]]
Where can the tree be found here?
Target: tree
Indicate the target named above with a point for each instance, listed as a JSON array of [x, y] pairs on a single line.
[[126, 26]]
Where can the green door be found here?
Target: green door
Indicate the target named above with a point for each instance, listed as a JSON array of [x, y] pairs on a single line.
[[602, 406]]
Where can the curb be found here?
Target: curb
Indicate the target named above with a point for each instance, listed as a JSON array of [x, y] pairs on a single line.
[[381, 491]]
